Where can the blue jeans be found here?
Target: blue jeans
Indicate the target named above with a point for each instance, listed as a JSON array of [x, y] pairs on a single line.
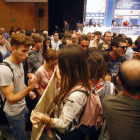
[[18, 124]]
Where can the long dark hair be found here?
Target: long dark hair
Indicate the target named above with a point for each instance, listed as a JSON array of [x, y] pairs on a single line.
[[44, 45], [73, 70]]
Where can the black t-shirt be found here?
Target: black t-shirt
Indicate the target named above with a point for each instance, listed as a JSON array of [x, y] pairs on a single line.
[[115, 65]]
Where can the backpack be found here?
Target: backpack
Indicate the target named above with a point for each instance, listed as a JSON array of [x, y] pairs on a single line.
[[3, 119], [92, 115]]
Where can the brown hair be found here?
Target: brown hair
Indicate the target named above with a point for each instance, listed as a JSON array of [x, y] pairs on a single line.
[[50, 54], [37, 37], [1, 33], [96, 65], [106, 32], [73, 70], [18, 39], [83, 37]]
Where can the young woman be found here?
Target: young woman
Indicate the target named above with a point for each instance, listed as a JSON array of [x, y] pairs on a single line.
[[44, 73], [74, 75], [99, 79], [46, 45]]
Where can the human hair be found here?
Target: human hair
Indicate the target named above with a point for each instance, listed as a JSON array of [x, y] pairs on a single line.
[[129, 40], [96, 66], [1, 33], [67, 35], [37, 37], [115, 42], [83, 37], [61, 35], [55, 32], [97, 33], [132, 86], [44, 45], [73, 70], [106, 32], [18, 39], [50, 54]]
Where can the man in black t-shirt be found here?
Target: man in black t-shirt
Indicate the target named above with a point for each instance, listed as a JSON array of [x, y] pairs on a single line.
[[117, 56]]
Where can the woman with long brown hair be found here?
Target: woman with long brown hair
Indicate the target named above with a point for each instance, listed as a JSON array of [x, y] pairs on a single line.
[[74, 76]]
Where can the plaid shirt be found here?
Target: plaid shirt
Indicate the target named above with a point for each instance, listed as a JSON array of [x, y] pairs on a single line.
[[97, 85]]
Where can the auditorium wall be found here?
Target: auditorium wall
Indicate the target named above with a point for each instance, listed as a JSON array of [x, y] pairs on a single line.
[[22, 15]]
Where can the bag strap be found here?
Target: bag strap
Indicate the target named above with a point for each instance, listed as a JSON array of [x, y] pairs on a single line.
[[8, 65]]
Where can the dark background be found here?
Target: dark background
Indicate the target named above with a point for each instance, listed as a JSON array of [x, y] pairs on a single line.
[[60, 10]]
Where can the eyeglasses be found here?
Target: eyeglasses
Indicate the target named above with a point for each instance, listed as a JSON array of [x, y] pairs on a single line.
[[123, 47]]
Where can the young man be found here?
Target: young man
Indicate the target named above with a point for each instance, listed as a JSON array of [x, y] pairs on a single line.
[[84, 43], [55, 41], [117, 56], [107, 40], [12, 87], [35, 60], [66, 26], [96, 40]]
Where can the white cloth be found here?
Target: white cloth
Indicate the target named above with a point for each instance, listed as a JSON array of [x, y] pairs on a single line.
[[129, 53], [55, 45]]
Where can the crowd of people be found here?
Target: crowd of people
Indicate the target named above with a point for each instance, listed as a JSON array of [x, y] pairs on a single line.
[[106, 66]]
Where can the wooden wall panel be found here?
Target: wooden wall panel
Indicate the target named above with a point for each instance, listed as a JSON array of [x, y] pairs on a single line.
[[43, 6], [26, 15]]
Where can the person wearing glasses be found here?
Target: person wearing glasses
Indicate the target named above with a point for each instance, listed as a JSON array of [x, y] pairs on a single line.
[[117, 57]]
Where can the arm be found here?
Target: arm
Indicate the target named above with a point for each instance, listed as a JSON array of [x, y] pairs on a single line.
[[37, 85], [72, 107], [12, 98]]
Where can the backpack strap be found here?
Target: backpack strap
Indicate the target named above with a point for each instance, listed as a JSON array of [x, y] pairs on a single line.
[[8, 65]]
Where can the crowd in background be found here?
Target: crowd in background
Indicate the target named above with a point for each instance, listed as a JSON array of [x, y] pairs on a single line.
[[108, 63]]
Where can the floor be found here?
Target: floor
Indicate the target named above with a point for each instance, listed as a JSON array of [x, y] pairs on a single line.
[[6, 132]]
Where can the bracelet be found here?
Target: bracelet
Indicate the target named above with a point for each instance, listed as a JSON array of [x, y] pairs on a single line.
[[49, 121]]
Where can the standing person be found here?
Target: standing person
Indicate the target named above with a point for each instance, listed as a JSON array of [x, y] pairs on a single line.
[[96, 40], [84, 43], [46, 45], [45, 72], [91, 22], [12, 87], [6, 35], [129, 52], [55, 41], [57, 28], [12, 30], [35, 60], [113, 21], [137, 43], [74, 75], [117, 57], [66, 26], [107, 40], [4, 45], [122, 112]]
